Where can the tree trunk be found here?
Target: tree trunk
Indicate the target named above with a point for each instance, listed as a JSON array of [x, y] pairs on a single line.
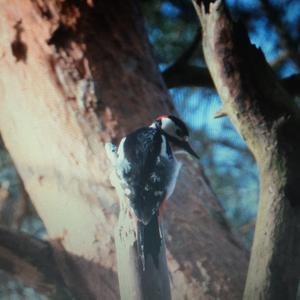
[[269, 121], [75, 74]]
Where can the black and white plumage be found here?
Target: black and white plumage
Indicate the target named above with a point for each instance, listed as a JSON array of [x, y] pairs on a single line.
[[147, 169]]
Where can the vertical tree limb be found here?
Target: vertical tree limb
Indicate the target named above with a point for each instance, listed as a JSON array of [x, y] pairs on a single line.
[[137, 282], [269, 122]]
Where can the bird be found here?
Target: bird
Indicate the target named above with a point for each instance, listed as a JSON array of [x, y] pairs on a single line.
[[147, 169]]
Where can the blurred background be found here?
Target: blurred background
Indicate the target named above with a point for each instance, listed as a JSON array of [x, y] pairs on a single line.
[[173, 29]]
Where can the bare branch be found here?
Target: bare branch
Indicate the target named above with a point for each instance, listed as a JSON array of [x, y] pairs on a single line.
[[193, 76], [181, 73], [220, 113], [187, 75], [187, 54]]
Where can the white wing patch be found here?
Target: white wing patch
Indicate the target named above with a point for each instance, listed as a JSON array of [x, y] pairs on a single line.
[[120, 165], [158, 193], [127, 191], [154, 177], [121, 154]]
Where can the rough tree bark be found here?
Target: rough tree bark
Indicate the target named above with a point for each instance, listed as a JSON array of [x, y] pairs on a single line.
[[269, 121], [55, 56]]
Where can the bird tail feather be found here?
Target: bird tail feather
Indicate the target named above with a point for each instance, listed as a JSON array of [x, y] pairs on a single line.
[[149, 240]]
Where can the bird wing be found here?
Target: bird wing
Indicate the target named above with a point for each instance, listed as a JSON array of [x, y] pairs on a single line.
[[146, 173]]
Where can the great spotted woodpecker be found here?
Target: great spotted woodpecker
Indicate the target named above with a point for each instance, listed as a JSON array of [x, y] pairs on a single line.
[[148, 170]]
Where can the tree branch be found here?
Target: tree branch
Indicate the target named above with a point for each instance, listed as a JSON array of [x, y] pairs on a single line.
[[31, 261], [189, 75], [181, 73], [269, 121]]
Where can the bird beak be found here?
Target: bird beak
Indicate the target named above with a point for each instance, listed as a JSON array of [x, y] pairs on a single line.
[[186, 146]]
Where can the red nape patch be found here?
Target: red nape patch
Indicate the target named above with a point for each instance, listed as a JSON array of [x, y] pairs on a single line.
[[162, 117]]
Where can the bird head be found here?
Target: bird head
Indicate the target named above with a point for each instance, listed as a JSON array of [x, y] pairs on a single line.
[[175, 131]]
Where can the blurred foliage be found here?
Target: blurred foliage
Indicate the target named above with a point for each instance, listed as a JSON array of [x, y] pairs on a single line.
[[171, 27], [13, 290]]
